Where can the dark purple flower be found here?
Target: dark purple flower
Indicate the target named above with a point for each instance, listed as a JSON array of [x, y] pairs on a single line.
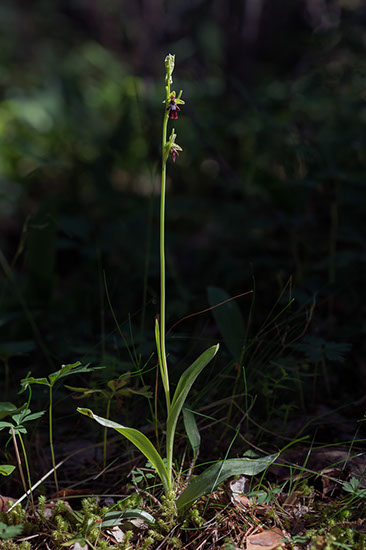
[[174, 153], [173, 108]]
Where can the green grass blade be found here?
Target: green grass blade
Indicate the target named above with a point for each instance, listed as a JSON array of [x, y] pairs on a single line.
[[206, 482], [139, 440]]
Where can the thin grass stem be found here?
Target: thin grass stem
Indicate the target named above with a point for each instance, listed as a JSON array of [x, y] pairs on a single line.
[[27, 470], [51, 438], [20, 466]]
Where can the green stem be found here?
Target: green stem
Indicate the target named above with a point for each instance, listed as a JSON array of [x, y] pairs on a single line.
[[27, 469], [160, 328], [51, 439], [163, 365]]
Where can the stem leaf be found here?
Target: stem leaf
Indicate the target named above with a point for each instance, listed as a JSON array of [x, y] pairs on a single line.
[[184, 385]]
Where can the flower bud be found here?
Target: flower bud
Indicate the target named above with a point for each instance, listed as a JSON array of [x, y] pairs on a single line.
[[169, 67]]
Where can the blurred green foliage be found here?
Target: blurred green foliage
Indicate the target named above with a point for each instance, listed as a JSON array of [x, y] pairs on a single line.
[[270, 184]]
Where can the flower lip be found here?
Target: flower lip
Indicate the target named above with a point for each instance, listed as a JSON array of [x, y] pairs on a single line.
[[174, 153], [173, 107]]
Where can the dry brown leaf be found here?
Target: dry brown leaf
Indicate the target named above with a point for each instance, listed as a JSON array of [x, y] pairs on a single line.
[[238, 488], [267, 540], [328, 484]]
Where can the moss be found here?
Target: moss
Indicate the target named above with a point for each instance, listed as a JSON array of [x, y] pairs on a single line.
[[176, 542], [306, 490], [149, 541], [11, 545], [16, 516], [193, 517], [133, 501]]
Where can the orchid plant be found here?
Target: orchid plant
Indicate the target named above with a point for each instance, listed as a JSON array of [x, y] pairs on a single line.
[[220, 470]]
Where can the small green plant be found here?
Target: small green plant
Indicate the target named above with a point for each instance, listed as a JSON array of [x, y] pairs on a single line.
[[219, 471], [66, 370], [139, 475], [353, 486], [10, 531], [8, 409], [19, 416]]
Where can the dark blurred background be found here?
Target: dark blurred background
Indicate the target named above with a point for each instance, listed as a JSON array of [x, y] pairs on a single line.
[[267, 194]]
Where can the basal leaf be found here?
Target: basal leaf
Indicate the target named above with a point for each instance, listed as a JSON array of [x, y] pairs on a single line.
[[139, 440], [206, 482]]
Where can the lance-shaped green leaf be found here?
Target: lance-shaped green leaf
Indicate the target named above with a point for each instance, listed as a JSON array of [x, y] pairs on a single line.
[[192, 432], [206, 482], [139, 440], [6, 469], [184, 385]]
